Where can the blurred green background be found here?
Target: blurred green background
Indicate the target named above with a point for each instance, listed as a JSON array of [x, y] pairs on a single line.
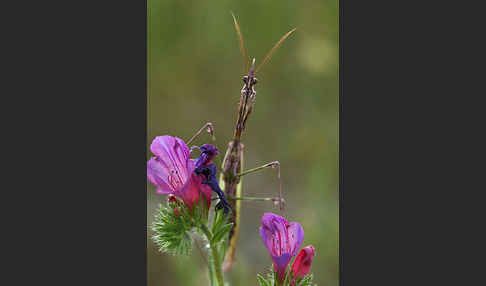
[[194, 76]]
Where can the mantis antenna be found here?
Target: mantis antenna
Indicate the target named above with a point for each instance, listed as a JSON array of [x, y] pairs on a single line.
[[242, 43], [269, 54]]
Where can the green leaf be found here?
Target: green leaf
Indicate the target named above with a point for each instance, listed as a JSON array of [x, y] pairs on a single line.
[[271, 277], [222, 232], [306, 281], [262, 281], [218, 220], [266, 280]]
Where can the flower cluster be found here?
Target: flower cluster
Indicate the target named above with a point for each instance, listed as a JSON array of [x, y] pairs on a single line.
[[186, 181], [283, 240], [173, 172]]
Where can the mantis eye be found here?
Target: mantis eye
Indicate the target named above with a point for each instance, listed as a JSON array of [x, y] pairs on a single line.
[[245, 79], [254, 81]]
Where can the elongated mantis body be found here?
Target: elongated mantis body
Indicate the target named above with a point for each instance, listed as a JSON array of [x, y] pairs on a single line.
[[230, 178], [232, 166]]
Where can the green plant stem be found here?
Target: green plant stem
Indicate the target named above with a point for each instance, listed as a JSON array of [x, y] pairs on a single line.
[[215, 265]]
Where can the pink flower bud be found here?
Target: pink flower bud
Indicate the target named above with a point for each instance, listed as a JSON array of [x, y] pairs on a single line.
[[302, 263]]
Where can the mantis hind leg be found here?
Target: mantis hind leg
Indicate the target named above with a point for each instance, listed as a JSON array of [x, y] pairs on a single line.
[[279, 200], [210, 129]]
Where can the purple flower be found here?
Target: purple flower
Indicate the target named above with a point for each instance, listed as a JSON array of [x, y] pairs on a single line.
[[171, 171], [282, 239]]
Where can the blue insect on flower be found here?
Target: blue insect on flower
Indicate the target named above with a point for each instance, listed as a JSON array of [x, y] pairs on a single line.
[[206, 168]]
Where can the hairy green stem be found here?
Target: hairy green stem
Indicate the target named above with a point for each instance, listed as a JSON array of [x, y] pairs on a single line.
[[215, 265]]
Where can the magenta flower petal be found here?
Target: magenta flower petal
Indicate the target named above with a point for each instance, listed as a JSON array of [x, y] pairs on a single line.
[[296, 236], [171, 171], [189, 193], [173, 155], [158, 175], [282, 239], [170, 147]]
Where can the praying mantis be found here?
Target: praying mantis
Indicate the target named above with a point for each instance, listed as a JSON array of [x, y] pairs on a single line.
[[232, 167]]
